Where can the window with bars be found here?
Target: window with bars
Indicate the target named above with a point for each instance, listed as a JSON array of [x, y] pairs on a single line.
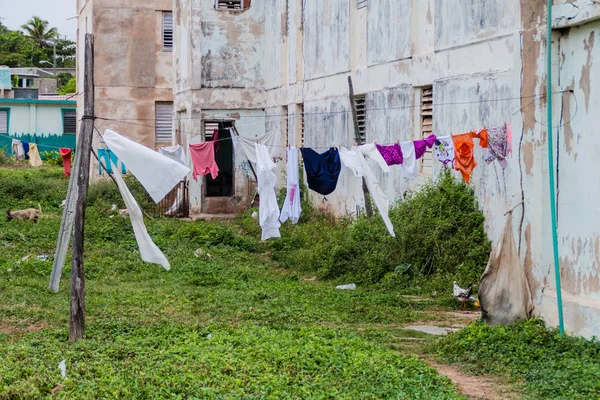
[[229, 5], [427, 127], [361, 4], [167, 30], [302, 124], [4, 115], [69, 118], [164, 121], [361, 114]]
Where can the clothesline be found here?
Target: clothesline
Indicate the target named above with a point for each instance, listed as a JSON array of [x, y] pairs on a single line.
[[349, 111], [280, 118]]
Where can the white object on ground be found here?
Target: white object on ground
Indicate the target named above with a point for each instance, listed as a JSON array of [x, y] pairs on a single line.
[[148, 250], [157, 173], [350, 286], [63, 369], [268, 210]]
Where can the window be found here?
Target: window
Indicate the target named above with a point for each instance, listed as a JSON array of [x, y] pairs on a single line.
[[69, 121], [232, 4], [361, 4], [427, 127], [167, 30], [361, 114], [4, 115], [209, 130], [164, 121]]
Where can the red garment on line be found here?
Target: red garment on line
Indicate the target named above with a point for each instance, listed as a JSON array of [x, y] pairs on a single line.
[[66, 157], [203, 158]]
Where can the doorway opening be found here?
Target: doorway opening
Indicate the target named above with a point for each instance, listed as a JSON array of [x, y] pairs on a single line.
[[222, 186]]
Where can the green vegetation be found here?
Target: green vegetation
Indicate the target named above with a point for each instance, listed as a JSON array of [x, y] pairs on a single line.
[[69, 87], [439, 238], [18, 49], [547, 364], [227, 324]]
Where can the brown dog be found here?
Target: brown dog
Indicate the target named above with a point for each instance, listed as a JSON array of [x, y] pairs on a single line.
[[23, 215]]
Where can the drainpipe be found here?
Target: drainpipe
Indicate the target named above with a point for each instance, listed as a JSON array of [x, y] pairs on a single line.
[[551, 170]]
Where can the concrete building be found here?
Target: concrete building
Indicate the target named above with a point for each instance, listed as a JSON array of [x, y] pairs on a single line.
[[447, 66], [133, 65]]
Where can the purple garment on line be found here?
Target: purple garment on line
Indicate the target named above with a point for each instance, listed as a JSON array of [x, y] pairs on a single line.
[[391, 154], [422, 145]]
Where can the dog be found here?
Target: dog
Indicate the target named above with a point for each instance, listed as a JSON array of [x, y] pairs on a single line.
[[23, 215]]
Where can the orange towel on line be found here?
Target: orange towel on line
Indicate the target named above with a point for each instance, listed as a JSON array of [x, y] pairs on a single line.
[[203, 158], [464, 148]]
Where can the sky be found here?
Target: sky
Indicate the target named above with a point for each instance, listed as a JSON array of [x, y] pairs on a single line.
[[16, 13]]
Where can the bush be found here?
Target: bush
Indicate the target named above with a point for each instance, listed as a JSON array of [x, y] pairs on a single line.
[[439, 238], [548, 364]]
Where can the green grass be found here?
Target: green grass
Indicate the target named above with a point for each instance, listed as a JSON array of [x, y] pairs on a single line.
[[272, 335], [545, 363]]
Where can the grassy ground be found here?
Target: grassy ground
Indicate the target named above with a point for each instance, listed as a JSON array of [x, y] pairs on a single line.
[[232, 325], [245, 320]]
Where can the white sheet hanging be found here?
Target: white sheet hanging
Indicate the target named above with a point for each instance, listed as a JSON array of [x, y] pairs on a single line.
[[268, 210], [370, 150], [269, 138], [291, 206], [409, 165], [148, 250], [175, 153], [17, 149], [157, 173], [356, 162]]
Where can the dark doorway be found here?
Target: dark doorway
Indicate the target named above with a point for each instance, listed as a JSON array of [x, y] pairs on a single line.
[[222, 186]]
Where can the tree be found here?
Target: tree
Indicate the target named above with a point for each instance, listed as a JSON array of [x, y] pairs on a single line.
[[70, 87], [37, 30]]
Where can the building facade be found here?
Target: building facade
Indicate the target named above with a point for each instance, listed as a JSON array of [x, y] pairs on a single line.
[[281, 67]]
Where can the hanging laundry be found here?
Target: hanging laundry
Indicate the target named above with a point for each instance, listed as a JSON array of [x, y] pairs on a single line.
[[157, 173], [482, 135], [509, 136], [34, 156], [105, 156], [356, 162], [291, 206], [422, 145], [215, 138], [26, 149], [203, 159], [148, 250], [370, 151], [444, 151], [408, 167], [464, 149], [270, 138], [234, 141], [17, 150], [497, 146], [66, 158], [175, 153], [322, 170], [268, 209], [391, 154]]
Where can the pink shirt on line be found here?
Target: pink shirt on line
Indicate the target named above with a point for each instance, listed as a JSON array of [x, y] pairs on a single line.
[[203, 158]]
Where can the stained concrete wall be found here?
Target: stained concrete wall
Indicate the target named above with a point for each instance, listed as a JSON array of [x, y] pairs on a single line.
[[486, 64], [131, 70]]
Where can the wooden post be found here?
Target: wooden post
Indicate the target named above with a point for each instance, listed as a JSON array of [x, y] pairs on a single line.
[[368, 209], [77, 321]]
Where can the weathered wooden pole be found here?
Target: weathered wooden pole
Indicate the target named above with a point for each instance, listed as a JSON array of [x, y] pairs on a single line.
[[357, 139], [77, 321]]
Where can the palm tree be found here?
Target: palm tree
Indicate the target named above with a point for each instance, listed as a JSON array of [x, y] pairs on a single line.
[[37, 30]]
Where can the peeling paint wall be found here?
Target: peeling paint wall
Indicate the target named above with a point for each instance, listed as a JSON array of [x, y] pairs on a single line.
[[486, 63]]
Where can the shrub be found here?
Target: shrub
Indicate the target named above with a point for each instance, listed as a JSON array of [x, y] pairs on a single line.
[[439, 238]]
